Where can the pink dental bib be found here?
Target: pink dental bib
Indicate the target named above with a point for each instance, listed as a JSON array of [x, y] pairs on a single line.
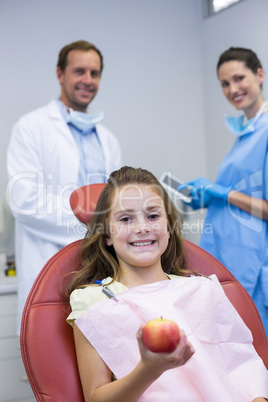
[[225, 366]]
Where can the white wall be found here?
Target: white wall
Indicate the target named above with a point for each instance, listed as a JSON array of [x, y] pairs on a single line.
[[159, 89], [243, 25], [151, 89]]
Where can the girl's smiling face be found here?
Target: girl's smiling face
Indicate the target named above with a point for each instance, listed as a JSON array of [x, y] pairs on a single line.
[[241, 87], [138, 227]]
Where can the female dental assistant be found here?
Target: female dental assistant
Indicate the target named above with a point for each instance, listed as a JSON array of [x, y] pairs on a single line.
[[237, 202]]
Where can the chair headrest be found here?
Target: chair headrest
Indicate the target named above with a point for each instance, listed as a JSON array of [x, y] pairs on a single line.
[[84, 199]]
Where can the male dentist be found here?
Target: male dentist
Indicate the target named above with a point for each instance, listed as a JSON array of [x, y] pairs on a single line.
[[53, 150]]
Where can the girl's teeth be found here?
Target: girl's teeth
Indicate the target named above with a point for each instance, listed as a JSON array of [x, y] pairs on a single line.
[[142, 244]]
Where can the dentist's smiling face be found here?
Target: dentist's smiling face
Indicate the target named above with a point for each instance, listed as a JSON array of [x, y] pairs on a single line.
[[138, 227], [241, 87], [80, 79]]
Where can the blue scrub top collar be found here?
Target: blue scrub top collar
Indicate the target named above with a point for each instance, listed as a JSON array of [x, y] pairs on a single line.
[[236, 126]]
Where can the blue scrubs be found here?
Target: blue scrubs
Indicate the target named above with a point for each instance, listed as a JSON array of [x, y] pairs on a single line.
[[234, 237]]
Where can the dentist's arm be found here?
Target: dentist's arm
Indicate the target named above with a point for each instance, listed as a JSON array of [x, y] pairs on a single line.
[[253, 206], [204, 191]]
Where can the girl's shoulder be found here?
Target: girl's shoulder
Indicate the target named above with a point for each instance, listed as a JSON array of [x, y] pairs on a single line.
[[84, 298], [172, 276], [197, 276]]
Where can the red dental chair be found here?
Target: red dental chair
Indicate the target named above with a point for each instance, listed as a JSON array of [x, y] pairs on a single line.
[[47, 345]]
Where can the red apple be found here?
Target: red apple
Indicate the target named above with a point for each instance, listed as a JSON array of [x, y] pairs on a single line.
[[161, 336]]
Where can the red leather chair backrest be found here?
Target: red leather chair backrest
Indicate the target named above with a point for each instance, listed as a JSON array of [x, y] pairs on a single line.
[[83, 201], [47, 344]]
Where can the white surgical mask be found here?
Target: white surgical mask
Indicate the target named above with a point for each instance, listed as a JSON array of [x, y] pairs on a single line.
[[235, 124], [84, 121]]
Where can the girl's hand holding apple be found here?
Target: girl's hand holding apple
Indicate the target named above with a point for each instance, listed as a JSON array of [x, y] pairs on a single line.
[[160, 362], [161, 335]]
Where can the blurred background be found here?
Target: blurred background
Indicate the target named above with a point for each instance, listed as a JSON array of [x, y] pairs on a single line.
[[159, 93], [159, 90]]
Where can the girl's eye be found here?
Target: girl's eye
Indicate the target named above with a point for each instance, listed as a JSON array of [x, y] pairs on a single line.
[[153, 216], [224, 84], [125, 219]]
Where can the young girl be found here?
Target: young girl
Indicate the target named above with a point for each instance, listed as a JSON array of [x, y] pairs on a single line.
[[133, 271], [238, 201]]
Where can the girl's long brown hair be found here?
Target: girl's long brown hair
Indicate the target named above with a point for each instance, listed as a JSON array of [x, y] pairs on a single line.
[[98, 260]]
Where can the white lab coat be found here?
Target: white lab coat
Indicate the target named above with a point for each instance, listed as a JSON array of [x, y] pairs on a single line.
[[43, 167]]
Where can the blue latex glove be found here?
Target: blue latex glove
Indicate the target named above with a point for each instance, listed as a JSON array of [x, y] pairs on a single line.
[[203, 190]]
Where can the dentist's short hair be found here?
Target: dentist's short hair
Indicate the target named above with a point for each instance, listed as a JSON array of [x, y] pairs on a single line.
[[78, 45]]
